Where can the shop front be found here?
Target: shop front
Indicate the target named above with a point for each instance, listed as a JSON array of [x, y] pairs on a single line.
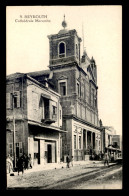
[[44, 144]]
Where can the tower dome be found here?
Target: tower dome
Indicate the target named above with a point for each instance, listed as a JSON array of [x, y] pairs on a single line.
[[64, 25]]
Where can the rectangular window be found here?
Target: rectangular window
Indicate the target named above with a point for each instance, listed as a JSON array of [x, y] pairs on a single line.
[[17, 99], [8, 100], [54, 113], [54, 109], [74, 141], [87, 93], [63, 88], [79, 142], [82, 91], [92, 98]]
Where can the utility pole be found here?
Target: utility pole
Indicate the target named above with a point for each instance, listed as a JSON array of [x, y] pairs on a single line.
[[14, 137]]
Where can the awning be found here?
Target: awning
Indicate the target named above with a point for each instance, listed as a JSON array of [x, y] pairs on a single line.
[[46, 126], [111, 148]]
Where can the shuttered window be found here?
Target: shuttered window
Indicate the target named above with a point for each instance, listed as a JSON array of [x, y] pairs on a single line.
[[75, 142], [11, 149], [17, 99], [63, 88], [79, 142], [8, 100]]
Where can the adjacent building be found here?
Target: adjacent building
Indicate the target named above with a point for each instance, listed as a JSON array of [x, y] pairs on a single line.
[[117, 141], [110, 142], [34, 119]]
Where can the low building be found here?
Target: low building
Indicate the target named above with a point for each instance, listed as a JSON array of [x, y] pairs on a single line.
[[110, 142], [117, 141], [34, 120]]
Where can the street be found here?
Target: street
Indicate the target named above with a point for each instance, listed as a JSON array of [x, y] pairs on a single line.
[[92, 176]]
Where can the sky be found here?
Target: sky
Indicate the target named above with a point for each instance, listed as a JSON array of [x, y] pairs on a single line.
[[100, 28]]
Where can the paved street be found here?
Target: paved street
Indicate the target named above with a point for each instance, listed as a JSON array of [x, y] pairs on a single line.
[[107, 180], [81, 176]]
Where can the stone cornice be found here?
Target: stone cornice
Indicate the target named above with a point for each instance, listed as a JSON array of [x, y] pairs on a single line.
[[81, 121], [68, 33]]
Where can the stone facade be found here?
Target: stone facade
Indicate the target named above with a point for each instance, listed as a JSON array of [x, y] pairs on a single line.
[[36, 118], [76, 80]]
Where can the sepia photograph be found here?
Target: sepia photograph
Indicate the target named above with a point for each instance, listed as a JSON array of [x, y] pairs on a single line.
[[64, 97]]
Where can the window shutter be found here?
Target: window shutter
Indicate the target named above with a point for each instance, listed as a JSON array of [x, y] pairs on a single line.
[[8, 100], [55, 110], [18, 99], [11, 149]]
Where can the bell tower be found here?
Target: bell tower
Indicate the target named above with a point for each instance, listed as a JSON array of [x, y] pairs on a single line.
[[64, 47]]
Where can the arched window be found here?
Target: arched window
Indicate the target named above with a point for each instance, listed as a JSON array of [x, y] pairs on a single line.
[[62, 50]]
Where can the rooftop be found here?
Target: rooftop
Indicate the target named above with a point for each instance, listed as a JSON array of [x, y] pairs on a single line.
[[39, 73]]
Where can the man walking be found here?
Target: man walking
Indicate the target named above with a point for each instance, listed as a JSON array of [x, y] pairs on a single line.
[[68, 160]]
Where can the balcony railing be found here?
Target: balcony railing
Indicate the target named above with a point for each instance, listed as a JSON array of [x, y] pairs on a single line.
[[49, 117]]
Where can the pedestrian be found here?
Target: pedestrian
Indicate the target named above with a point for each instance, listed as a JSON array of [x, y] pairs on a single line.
[[30, 161], [21, 164], [72, 161], [106, 159], [26, 158], [9, 163], [68, 161]]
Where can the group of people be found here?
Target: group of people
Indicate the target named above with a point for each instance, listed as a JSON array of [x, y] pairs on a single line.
[[22, 163], [25, 162], [105, 157]]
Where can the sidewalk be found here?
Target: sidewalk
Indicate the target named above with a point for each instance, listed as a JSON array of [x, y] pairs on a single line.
[[51, 166], [53, 173]]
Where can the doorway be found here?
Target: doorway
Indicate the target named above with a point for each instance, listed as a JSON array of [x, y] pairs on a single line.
[[49, 150], [36, 152], [17, 150]]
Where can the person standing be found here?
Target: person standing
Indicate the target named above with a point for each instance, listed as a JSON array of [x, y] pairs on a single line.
[[9, 163], [30, 161], [68, 160], [21, 164], [106, 159]]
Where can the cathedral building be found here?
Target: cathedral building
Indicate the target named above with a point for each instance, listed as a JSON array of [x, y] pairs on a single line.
[[75, 79]]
